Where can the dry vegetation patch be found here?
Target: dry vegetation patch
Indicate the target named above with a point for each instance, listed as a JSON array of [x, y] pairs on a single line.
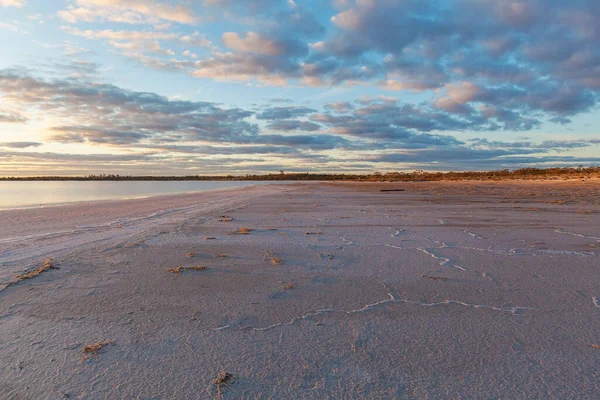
[[272, 257], [434, 278], [224, 218], [91, 350], [48, 265], [325, 256], [313, 233], [241, 231], [223, 379], [180, 269], [287, 286]]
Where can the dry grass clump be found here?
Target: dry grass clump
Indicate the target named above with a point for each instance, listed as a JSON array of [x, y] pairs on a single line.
[[91, 350], [270, 256], [595, 346], [326, 256], [224, 218], [241, 231], [209, 238], [224, 378], [48, 265], [191, 254], [560, 202], [180, 269], [287, 286], [223, 255], [434, 278]]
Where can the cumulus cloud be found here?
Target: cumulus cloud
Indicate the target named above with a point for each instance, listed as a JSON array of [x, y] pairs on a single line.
[[20, 145], [12, 3], [108, 114], [177, 133], [517, 62], [252, 43], [285, 112], [9, 116], [293, 125], [520, 62], [195, 39], [126, 11]]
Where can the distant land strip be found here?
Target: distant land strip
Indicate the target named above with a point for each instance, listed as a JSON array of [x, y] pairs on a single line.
[[418, 176]]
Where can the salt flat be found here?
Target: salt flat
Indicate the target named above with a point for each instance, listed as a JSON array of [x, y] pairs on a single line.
[[338, 291]]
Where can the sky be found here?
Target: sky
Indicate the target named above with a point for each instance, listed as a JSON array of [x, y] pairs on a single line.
[[152, 87]]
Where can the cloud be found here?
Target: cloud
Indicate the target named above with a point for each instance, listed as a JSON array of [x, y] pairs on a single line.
[[285, 112], [120, 35], [73, 50], [293, 125], [517, 63], [20, 145], [9, 116], [13, 26], [12, 3], [196, 39], [191, 135], [108, 114], [340, 107], [252, 43], [127, 11]]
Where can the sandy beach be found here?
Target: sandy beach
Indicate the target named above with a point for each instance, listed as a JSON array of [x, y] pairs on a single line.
[[334, 291]]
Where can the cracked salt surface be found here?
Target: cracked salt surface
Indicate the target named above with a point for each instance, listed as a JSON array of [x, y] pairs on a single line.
[[518, 311], [395, 247], [442, 260], [346, 241], [560, 230], [397, 232], [473, 234]]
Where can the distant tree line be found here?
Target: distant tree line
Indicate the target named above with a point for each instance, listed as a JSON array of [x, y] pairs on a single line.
[[419, 175]]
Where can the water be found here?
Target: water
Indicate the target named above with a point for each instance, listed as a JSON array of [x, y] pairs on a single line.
[[34, 194]]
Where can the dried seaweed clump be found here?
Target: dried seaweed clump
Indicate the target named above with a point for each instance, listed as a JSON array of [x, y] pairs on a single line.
[[91, 350], [224, 378], [325, 256], [270, 256], [180, 269], [434, 278], [48, 265]]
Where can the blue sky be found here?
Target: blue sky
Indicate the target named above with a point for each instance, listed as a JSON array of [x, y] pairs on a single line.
[[232, 86]]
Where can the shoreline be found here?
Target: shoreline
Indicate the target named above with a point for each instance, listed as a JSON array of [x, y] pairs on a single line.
[[141, 197], [587, 180]]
